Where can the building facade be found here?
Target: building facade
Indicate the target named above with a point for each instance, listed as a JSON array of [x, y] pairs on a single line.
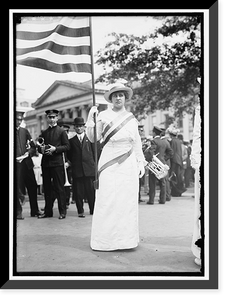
[[162, 119], [70, 98], [75, 100]]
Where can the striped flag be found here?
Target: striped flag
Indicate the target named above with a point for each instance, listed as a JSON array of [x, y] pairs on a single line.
[[57, 44]]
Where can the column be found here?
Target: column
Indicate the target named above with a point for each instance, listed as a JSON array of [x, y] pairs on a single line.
[[38, 129], [74, 113]]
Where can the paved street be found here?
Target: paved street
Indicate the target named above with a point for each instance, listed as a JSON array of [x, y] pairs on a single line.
[[55, 245]]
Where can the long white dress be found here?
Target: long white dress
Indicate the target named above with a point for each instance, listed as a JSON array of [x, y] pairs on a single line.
[[115, 218]]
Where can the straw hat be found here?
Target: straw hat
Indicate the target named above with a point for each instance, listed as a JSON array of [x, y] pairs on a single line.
[[116, 88], [173, 130]]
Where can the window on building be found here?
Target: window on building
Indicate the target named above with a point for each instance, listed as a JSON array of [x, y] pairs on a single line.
[[180, 122], [79, 112], [24, 104], [70, 112], [168, 120]]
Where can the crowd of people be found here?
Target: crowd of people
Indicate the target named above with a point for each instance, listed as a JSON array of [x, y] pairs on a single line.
[[46, 164], [171, 150], [56, 159]]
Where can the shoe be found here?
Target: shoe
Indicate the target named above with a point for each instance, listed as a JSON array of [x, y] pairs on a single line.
[[61, 217], [151, 203], [36, 214], [44, 216], [19, 217], [140, 200], [161, 202], [81, 216], [197, 261]]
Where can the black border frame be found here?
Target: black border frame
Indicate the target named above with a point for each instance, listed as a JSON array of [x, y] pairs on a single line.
[[212, 282]]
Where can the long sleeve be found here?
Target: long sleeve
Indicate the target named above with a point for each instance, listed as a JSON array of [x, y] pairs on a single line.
[[138, 147], [90, 129], [58, 138], [196, 144], [168, 152], [64, 143]]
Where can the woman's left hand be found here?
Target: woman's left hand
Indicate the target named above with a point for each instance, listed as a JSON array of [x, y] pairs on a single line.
[[141, 169]]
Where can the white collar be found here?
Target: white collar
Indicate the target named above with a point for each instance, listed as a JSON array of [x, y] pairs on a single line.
[[80, 135], [53, 125]]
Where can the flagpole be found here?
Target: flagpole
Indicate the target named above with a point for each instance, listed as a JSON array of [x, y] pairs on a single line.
[[94, 103]]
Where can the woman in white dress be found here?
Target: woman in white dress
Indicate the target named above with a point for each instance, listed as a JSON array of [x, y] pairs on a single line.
[[115, 218]]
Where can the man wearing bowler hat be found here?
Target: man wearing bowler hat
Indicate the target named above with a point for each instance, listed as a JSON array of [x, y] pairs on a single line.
[[55, 144], [82, 158]]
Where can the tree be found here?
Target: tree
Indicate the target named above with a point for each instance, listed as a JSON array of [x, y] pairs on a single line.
[[162, 74]]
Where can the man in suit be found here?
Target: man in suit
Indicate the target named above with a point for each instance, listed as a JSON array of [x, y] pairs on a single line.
[[177, 185], [82, 158], [67, 188], [25, 148], [52, 164], [163, 150]]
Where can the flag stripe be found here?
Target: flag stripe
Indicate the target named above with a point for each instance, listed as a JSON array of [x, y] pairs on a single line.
[[56, 48], [60, 29], [56, 38], [60, 46], [56, 58], [57, 68]]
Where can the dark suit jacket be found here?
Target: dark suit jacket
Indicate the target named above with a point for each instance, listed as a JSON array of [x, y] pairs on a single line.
[[81, 157], [162, 148], [22, 137], [168, 153], [177, 150], [57, 137]]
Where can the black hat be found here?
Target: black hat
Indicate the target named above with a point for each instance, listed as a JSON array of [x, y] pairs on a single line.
[[79, 121], [157, 130], [52, 111], [19, 115], [62, 124]]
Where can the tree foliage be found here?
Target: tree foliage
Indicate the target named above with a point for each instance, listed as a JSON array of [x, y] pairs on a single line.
[[163, 75]]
